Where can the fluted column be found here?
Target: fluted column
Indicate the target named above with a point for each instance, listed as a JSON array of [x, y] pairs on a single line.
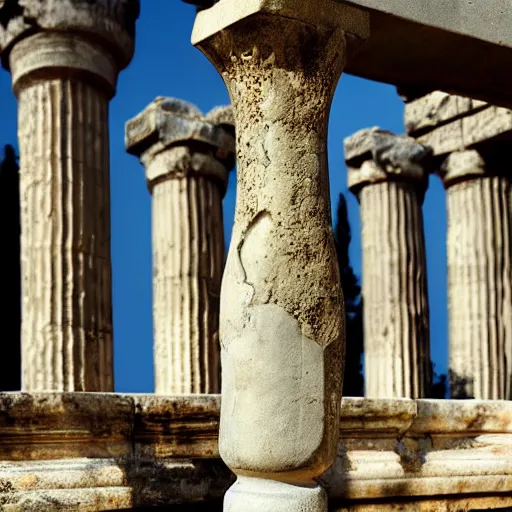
[[479, 275], [281, 323], [386, 174], [187, 157], [64, 67]]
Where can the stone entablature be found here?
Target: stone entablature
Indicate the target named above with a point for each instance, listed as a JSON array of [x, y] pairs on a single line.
[[449, 123], [123, 451]]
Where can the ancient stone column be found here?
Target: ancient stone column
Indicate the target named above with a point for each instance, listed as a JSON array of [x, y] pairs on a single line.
[[470, 142], [187, 157], [64, 57], [479, 275], [386, 174], [281, 323]]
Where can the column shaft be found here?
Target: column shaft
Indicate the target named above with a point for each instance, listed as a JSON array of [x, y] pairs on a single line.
[[188, 254], [65, 205], [480, 288], [396, 313]]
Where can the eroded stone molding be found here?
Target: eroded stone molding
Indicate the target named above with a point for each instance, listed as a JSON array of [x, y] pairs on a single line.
[[479, 275], [64, 57], [187, 156], [386, 172], [281, 324]]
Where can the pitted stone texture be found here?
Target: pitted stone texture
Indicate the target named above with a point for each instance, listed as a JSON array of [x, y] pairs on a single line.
[[374, 155], [281, 305], [187, 157], [110, 21], [479, 251], [437, 108], [169, 121], [386, 173]]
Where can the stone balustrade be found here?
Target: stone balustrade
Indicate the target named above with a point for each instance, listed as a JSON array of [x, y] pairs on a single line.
[[282, 438], [64, 59]]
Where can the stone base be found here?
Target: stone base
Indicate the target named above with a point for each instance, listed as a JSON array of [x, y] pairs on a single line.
[[259, 495], [96, 452]]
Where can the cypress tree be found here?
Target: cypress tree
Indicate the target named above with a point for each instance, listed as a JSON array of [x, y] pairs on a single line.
[[353, 384], [10, 272]]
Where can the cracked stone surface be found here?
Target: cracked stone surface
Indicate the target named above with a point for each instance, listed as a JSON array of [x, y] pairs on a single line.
[[187, 156]]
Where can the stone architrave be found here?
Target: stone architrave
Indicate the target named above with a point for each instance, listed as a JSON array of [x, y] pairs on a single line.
[[281, 314], [470, 141], [64, 57], [187, 157], [387, 175], [479, 252]]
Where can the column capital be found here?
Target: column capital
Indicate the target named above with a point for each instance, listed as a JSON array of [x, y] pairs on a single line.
[[186, 139], [324, 13], [103, 31], [463, 166], [374, 155]]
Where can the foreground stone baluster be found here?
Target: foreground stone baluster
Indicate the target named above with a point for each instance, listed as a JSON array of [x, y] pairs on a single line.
[[281, 326], [385, 172], [64, 57], [187, 157], [479, 275]]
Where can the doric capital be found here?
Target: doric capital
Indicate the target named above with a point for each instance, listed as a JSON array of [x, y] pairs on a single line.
[[462, 166], [323, 13], [374, 155], [111, 23], [197, 140]]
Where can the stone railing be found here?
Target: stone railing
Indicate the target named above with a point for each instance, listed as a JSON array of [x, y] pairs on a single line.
[[285, 434]]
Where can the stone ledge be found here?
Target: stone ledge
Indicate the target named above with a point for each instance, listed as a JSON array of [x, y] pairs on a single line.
[[92, 451]]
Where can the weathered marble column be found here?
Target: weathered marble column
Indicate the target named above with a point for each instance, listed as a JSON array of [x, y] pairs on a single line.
[[281, 323], [64, 57], [386, 174], [471, 140], [479, 275], [187, 157]]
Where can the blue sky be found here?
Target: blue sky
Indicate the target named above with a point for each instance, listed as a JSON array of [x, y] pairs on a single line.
[[166, 64]]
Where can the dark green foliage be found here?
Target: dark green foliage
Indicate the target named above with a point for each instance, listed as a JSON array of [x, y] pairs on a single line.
[[10, 272], [353, 384]]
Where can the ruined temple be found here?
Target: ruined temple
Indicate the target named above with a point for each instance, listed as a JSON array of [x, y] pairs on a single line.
[[267, 318]]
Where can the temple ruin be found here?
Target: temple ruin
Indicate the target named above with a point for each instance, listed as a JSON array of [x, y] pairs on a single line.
[[269, 319]]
